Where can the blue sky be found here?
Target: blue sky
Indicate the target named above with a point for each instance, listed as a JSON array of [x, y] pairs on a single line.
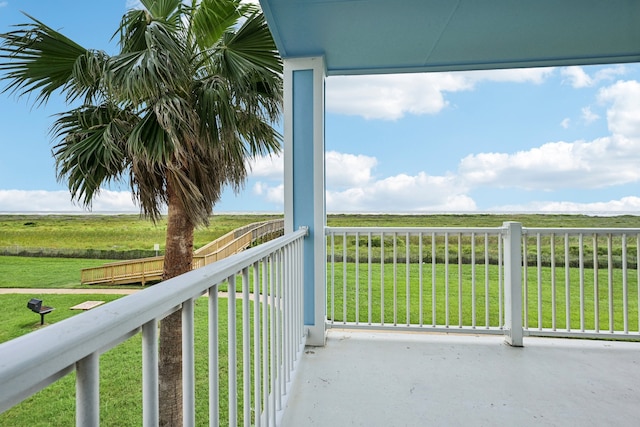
[[541, 140]]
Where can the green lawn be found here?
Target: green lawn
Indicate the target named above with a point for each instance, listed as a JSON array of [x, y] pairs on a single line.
[[120, 368], [120, 233], [395, 296], [30, 272]]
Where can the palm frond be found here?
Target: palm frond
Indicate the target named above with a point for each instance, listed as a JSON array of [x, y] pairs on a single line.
[[39, 60], [91, 151], [212, 18], [144, 75], [253, 45]]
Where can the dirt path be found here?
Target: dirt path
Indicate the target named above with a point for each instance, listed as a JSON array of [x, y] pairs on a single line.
[[114, 291]]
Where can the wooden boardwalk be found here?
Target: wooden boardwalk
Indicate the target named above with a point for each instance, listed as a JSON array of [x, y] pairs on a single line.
[[146, 270]]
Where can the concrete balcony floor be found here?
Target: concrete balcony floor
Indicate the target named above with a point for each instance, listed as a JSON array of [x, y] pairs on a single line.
[[364, 378]]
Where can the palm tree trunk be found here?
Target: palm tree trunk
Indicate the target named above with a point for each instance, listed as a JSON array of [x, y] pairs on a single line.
[[177, 260]]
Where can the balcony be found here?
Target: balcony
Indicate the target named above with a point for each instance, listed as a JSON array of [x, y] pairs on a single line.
[[417, 322]]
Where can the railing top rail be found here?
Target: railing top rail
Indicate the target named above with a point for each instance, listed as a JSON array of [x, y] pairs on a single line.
[[32, 361], [414, 230], [129, 261], [479, 230], [234, 234], [562, 230]]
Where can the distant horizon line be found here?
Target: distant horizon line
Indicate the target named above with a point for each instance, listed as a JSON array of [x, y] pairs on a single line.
[[399, 213]]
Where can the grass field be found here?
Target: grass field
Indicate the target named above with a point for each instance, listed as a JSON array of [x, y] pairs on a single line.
[[130, 232], [30, 272], [120, 367], [105, 232], [454, 303]]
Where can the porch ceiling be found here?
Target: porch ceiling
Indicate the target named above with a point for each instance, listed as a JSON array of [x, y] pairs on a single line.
[[386, 36]]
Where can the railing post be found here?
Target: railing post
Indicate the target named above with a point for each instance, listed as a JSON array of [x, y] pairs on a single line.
[[513, 283], [150, 399], [88, 391]]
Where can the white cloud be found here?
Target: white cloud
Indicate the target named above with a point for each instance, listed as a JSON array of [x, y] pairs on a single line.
[[403, 193], [351, 186], [347, 170], [610, 73], [60, 201], [589, 116], [625, 204], [272, 194], [390, 97], [623, 115], [565, 123], [578, 78], [604, 162], [271, 167]]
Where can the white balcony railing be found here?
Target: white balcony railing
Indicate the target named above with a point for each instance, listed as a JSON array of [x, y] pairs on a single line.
[[475, 280], [272, 337]]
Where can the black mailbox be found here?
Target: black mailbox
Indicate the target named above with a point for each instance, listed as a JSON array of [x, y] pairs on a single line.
[[35, 305]]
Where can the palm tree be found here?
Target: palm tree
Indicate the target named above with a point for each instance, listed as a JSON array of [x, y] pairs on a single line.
[[193, 93]]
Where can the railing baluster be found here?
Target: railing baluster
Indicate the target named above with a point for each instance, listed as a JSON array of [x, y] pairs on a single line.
[[369, 282], [554, 310], [596, 289], [188, 364], [278, 330], [525, 279], [333, 279], [88, 391], [625, 286], [232, 351], [420, 280], [567, 283], [407, 279], [272, 341], [344, 278], [357, 278], [382, 278], [395, 279], [486, 281], [446, 280], [246, 348], [610, 279], [257, 348], [581, 268], [265, 340], [473, 281], [150, 396], [286, 300], [500, 279], [434, 253], [539, 274], [214, 363], [460, 280]]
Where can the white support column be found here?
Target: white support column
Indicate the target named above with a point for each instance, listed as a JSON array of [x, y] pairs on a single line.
[[304, 179], [513, 284]]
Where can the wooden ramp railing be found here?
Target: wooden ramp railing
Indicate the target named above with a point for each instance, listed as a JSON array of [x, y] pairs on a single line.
[[146, 270]]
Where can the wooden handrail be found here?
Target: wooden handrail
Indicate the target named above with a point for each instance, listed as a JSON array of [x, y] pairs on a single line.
[[146, 270]]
